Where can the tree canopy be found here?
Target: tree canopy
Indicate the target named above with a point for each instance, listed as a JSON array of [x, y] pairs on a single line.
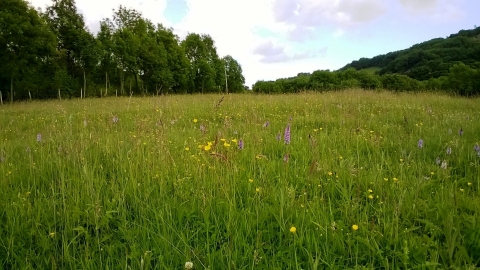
[[43, 54]]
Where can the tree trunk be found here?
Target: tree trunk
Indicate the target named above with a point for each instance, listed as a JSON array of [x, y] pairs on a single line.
[[106, 83], [84, 83], [11, 89], [122, 79], [136, 82]]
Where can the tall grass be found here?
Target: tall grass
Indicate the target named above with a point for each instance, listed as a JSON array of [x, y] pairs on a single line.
[[153, 183]]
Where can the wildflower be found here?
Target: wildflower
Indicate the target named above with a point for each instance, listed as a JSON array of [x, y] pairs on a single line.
[[52, 234], [370, 196], [250, 180], [420, 143], [286, 157], [202, 127], [370, 190], [188, 265], [401, 160], [395, 179], [444, 165], [330, 173], [257, 189], [187, 149], [286, 135], [354, 227], [462, 190], [39, 137], [438, 160], [449, 151], [469, 183], [460, 132], [240, 144], [115, 119], [386, 179], [476, 147], [207, 147], [195, 120], [293, 229], [226, 144], [234, 140], [278, 137], [266, 124]]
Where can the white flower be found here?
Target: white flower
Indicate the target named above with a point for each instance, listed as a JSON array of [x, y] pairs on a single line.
[[188, 265]]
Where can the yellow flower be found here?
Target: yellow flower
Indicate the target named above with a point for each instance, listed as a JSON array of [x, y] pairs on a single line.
[[401, 160], [293, 229], [257, 189], [330, 173], [462, 190], [386, 179], [370, 196], [52, 234], [370, 191], [195, 120], [200, 146], [234, 140], [432, 173], [250, 180], [469, 184], [222, 140], [226, 144], [187, 149], [354, 227], [395, 179], [207, 147]]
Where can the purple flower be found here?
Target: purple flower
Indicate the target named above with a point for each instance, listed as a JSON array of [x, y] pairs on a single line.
[[444, 165], [449, 151], [420, 143], [286, 135], [460, 132], [240, 144], [266, 124], [476, 148], [39, 137]]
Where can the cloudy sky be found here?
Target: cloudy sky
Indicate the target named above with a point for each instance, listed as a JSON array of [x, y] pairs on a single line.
[[279, 38]]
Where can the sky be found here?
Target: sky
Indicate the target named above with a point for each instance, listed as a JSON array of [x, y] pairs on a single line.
[[274, 39]]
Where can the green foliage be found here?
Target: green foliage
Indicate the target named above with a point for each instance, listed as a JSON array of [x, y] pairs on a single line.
[[461, 80], [129, 55], [25, 43], [430, 59]]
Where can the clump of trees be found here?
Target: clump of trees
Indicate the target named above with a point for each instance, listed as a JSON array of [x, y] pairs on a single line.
[[43, 54], [461, 79], [429, 59]]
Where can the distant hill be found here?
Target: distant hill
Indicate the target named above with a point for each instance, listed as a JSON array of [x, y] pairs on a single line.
[[429, 59]]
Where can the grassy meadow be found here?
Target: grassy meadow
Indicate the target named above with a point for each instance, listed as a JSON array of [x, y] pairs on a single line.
[[157, 182]]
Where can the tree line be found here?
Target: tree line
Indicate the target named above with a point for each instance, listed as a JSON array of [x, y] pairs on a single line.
[[44, 54], [461, 79], [429, 59]]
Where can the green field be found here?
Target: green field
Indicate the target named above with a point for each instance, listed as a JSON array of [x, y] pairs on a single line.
[[167, 184]]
